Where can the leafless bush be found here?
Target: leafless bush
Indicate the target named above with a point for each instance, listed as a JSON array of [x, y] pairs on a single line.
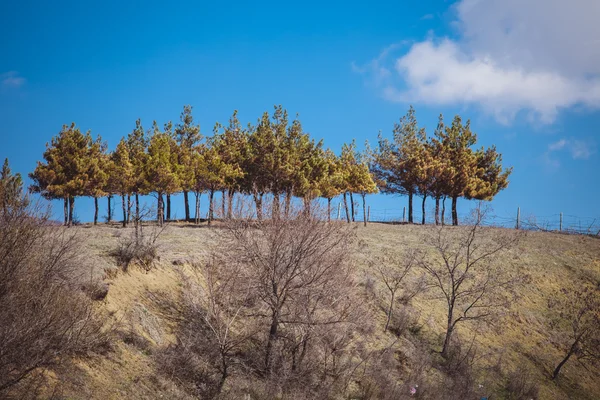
[[275, 302], [45, 317], [394, 273], [140, 248], [520, 385], [465, 275]]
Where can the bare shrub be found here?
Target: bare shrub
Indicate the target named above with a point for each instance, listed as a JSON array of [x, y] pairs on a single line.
[[45, 317], [394, 273], [520, 385], [576, 323], [466, 277], [139, 248], [274, 302]]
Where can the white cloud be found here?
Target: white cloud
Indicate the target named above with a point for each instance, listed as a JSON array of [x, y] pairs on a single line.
[[557, 145], [578, 149], [540, 56], [11, 79]]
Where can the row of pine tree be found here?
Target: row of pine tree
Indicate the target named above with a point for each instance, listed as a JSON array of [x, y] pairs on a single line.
[[274, 157]]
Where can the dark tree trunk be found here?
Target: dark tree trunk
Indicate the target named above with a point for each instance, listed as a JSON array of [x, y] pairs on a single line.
[[128, 208], [364, 209], [346, 207], [95, 210], [66, 209], [186, 202], [423, 210], [276, 205], [168, 207], [124, 210], [230, 194], [329, 209], [109, 216], [572, 351], [258, 201], [307, 206], [444, 211], [454, 213], [449, 330], [137, 210], [161, 210], [223, 203], [352, 205], [389, 313], [437, 210], [288, 202], [271, 341], [211, 196], [410, 207], [197, 211], [71, 208], [224, 373]]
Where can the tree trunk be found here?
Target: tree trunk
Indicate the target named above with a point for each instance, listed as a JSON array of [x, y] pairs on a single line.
[[197, 211], [66, 209], [276, 206], [443, 210], [186, 202], [168, 207], [454, 213], [71, 208], [569, 354], [222, 203], [230, 194], [271, 341], [109, 216], [288, 202], [423, 210], [437, 210], [346, 207], [124, 210], [352, 206], [211, 196], [390, 309], [329, 209], [449, 330], [364, 208], [307, 206], [95, 210], [258, 202], [137, 210], [224, 373], [128, 208], [160, 210], [410, 207]]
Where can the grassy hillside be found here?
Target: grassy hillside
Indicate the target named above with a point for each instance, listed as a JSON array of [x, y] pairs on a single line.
[[517, 337]]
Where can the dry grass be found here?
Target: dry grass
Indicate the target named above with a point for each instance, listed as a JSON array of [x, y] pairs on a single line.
[[519, 338]]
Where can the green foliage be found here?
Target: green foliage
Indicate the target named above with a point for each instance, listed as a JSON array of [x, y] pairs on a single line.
[[11, 187]]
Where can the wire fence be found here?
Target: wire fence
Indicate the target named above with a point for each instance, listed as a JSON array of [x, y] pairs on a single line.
[[559, 222]]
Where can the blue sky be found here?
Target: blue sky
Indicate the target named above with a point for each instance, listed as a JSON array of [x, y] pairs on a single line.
[[527, 75]]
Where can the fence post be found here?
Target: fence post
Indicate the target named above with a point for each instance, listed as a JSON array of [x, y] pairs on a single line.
[[560, 226], [518, 217], [404, 214], [339, 208]]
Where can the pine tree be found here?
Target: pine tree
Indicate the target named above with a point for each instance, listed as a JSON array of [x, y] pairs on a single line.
[[97, 173], [121, 179], [232, 141], [64, 174], [188, 137], [333, 181], [161, 167], [137, 143], [11, 188], [396, 165]]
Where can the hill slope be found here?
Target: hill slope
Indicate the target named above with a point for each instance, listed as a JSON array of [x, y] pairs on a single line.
[[518, 337]]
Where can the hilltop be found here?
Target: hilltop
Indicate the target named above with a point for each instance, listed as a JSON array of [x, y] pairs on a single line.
[[518, 337]]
